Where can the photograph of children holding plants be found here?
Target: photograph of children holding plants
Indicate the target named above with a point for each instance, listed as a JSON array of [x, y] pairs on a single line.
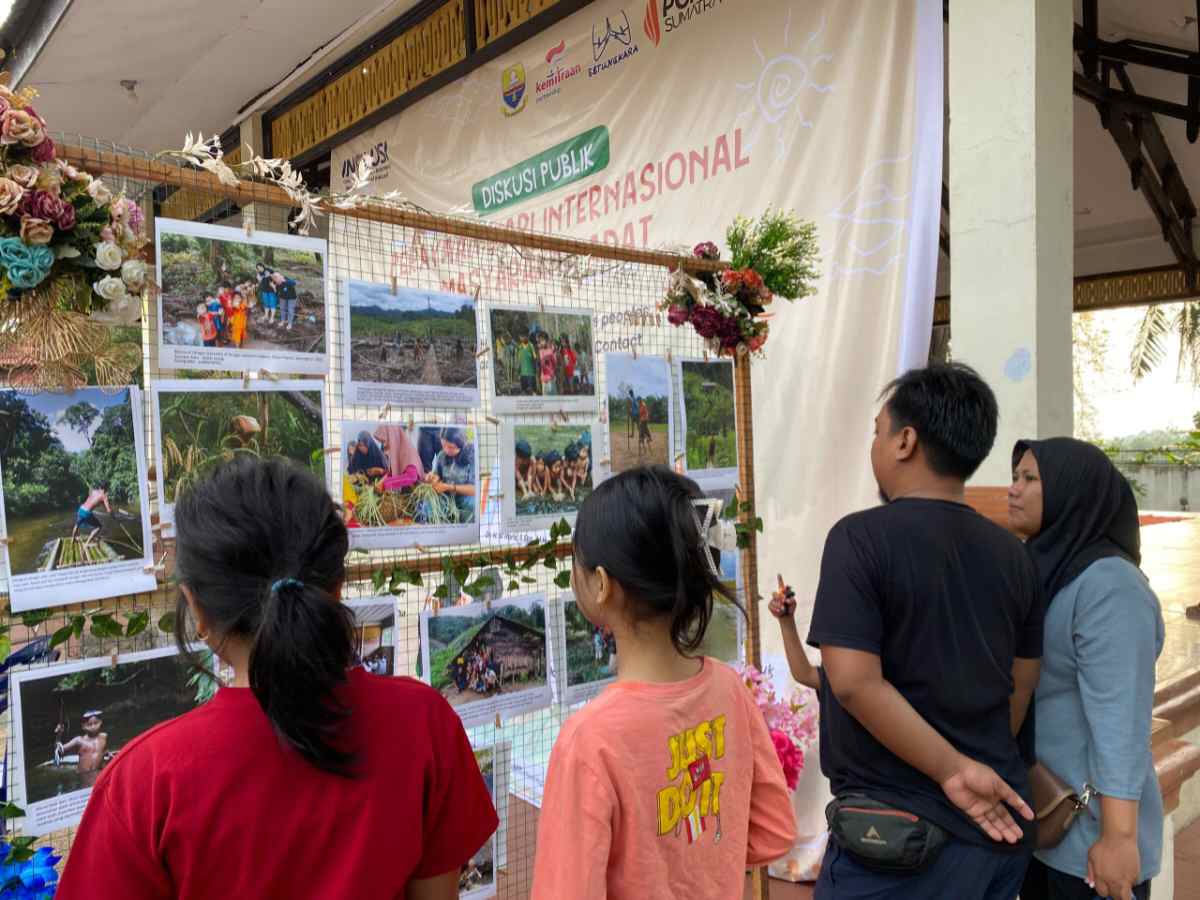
[[75, 514], [199, 424], [402, 487], [542, 360], [233, 303], [709, 422], [551, 468]]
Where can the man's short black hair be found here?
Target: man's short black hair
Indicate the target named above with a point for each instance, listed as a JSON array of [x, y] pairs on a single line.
[[953, 411]]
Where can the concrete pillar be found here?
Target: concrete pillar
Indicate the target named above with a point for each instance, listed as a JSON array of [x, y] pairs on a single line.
[[1011, 212]]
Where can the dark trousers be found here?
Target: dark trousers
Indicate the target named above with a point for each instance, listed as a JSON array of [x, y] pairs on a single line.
[[961, 872], [1044, 883]]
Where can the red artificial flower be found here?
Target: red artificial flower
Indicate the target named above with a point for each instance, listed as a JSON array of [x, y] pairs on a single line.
[[790, 756], [678, 314], [66, 218], [41, 205], [706, 250], [707, 321], [43, 152]]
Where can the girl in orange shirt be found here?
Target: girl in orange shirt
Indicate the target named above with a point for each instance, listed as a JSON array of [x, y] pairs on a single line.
[[667, 784], [237, 320]]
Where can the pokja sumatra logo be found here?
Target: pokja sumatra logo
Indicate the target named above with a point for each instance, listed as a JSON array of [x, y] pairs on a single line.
[[512, 89], [650, 23], [612, 43], [556, 74], [675, 14]]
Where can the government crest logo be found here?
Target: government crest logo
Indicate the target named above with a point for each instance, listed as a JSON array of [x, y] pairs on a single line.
[[512, 89]]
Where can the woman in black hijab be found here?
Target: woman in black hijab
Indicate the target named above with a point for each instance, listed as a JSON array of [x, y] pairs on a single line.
[[1103, 634]]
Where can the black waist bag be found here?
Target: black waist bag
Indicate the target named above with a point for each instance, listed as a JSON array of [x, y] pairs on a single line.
[[882, 838]]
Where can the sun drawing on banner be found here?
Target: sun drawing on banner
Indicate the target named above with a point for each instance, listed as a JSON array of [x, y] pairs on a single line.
[[871, 221], [778, 91]]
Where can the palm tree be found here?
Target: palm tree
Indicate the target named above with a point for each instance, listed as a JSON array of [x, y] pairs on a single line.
[[1149, 348]]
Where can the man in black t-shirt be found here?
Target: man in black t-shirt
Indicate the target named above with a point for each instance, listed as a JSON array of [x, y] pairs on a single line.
[[929, 620]]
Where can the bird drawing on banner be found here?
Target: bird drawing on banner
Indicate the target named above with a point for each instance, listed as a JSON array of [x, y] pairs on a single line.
[[621, 33]]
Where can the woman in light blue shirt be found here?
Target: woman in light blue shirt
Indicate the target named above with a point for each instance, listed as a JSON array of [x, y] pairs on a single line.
[[1104, 631]]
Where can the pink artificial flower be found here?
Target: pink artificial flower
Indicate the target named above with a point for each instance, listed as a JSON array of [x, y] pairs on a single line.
[[18, 126], [756, 343], [791, 758], [41, 204], [43, 152], [36, 231], [136, 216], [107, 236], [706, 250], [25, 176], [66, 218], [10, 196]]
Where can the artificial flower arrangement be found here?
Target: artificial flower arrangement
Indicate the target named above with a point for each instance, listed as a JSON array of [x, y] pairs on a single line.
[[27, 873], [774, 256], [69, 253], [792, 720]]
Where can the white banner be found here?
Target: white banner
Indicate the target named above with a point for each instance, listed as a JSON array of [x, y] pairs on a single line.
[[655, 122]]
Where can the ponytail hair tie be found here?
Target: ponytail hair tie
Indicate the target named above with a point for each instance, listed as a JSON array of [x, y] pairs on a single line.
[[286, 583]]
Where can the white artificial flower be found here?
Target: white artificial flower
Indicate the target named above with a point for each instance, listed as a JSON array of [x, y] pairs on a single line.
[[111, 288], [99, 192], [108, 256], [133, 271]]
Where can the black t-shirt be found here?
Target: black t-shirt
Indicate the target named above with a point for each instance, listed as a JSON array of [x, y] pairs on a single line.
[[946, 599]]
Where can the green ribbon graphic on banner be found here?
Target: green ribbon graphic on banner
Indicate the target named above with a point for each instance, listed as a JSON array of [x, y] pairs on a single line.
[[574, 159]]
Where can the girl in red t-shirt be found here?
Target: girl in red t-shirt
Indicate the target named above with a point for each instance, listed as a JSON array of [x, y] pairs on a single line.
[[305, 778]]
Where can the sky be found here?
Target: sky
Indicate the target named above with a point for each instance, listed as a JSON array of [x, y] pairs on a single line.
[[363, 293], [649, 376], [52, 406], [1158, 401]]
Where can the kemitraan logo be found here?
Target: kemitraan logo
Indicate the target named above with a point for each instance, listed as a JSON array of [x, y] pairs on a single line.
[[556, 74], [651, 24]]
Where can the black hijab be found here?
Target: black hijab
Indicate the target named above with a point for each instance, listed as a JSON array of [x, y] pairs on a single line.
[[1088, 511]]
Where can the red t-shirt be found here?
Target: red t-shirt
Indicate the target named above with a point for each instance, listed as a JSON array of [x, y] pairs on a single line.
[[211, 805]]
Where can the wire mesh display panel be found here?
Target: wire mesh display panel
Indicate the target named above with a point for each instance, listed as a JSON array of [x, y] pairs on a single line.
[[398, 251]]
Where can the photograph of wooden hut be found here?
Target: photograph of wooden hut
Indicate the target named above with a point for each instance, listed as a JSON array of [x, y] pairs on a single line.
[[487, 659]]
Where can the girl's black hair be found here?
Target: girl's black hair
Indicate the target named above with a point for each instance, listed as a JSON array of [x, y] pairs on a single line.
[[262, 546], [643, 528]]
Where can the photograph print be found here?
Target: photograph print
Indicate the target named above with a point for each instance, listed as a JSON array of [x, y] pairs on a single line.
[[640, 417], [487, 662], [199, 424], [407, 486], [477, 876], [542, 360], [235, 303], [409, 346], [71, 720], [551, 470], [374, 633], [591, 654], [709, 422], [75, 511]]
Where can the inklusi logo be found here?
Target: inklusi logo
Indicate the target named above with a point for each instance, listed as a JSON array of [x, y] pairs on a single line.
[[612, 43], [556, 74], [512, 89]]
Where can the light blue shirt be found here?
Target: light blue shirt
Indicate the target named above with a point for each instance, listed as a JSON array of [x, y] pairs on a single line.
[[1104, 632]]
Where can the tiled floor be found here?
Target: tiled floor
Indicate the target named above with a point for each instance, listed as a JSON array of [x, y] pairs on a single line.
[[1171, 560]]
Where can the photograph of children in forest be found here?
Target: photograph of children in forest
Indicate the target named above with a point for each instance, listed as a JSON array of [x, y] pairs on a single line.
[[639, 411], [407, 345], [73, 719], [709, 422], [260, 298], [477, 654], [542, 360], [203, 423], [397, 478], [552, 470], [72, 494], [591, 653]]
